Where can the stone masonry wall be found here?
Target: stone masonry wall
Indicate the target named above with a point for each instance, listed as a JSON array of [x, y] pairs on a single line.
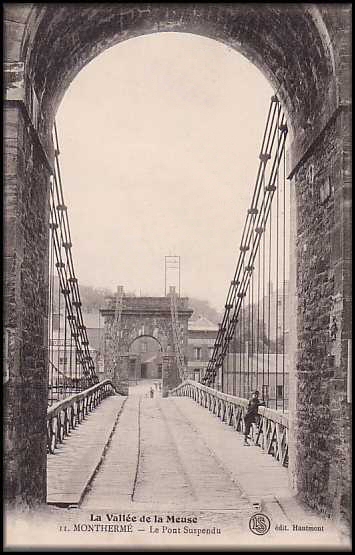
[[26, 290], [323, 414]]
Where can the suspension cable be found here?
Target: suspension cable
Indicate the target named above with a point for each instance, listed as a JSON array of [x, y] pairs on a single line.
[[272, 148], [74, 331]]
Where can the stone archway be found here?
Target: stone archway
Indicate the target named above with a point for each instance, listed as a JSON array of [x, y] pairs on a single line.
[[146, 354], [304, 51], [145, 358], [141, 317]]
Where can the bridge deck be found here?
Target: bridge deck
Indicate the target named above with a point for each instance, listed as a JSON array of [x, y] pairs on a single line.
[[75, 461], [170, 454], [158, 460]]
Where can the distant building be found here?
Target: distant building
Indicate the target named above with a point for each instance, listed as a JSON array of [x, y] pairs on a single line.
[[265, 371], [94, 328], [276, 313], [265, 322], [200, 340], [62, 350], [258, 354], [95, 332], [145, 359]]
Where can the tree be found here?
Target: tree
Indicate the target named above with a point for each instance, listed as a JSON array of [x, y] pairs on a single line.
[[203, 308], [93, 298]]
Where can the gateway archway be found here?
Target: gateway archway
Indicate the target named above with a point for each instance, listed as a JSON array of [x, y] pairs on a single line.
[[145, 359], [143, 317], [303, 51]]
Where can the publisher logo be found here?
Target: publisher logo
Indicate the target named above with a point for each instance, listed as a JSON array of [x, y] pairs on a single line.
[[259, 524]]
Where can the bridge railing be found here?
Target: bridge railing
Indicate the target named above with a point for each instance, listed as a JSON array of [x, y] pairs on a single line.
[[270, 432], [65, 415]]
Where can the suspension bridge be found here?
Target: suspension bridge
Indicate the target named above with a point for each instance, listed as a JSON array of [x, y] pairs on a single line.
[[78, 430], [116, 444]]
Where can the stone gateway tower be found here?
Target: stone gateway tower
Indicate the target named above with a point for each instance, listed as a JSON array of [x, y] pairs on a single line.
[[140, 317]]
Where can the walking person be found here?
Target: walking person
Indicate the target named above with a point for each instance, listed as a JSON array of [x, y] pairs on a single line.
[[251, 414], [151, 393]]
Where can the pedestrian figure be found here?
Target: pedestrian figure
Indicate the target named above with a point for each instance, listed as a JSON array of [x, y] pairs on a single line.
[[151, 393], [155, 385], [251, 414]]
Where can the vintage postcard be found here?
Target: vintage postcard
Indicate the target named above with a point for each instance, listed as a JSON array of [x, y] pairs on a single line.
[[177, 276]]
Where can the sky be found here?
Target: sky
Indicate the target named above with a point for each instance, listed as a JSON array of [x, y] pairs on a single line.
[[159, 139]]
